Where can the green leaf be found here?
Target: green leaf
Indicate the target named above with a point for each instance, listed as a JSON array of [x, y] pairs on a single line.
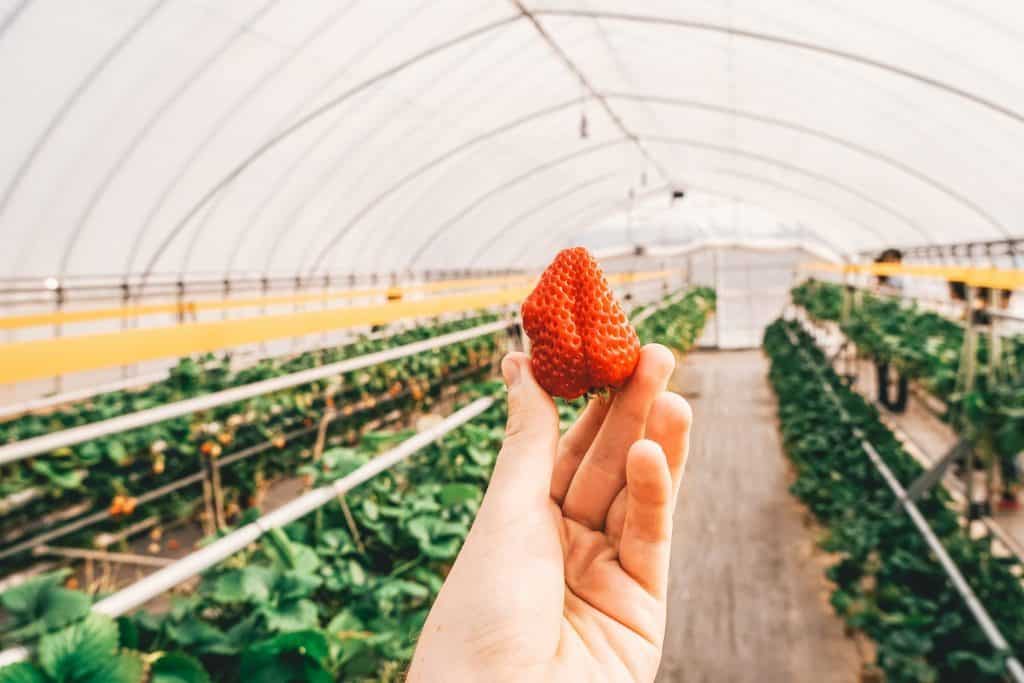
[[119, 668], [22, 672], [117, 453], [288, 658], [246, 585], [80, 649], [198, 636], [62, 479], [178, 667], [453, 494], [293, 615]]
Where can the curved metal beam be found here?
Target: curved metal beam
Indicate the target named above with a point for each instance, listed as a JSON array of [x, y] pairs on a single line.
[[143, 133], [540, 206], [68, 104], [322, 182], [378, 199], [802, 45], [12, 16], [274, 140], [766, 159], [325, 180], [617, 205], [821, 135], [701, 188], [223, 120], [283, 179], [493, 192], [438, 232], [585, 82], [751, 177]]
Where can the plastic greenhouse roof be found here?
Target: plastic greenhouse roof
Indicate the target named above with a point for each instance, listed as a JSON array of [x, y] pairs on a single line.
[[269, 136]]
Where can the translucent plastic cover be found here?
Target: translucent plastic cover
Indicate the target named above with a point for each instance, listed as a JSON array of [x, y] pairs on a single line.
[[255, 136]]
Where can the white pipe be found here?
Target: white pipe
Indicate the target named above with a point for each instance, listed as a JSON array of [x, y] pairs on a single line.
[[20, 450], [194, 564]]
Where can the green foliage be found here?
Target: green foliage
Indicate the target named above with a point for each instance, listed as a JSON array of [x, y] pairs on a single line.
[[887, 583], [329, 597], [679, 324], [140, 460], [929, 348]]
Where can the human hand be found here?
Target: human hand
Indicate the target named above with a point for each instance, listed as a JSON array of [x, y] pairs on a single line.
[[564, 575]]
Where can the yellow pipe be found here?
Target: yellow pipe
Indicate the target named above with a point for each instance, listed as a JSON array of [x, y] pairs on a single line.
[[995, 278], [188, 308], [27, 360]]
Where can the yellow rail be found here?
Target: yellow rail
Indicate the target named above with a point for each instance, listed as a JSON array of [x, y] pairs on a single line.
[[190, 308], [995, 278], [27, 360]]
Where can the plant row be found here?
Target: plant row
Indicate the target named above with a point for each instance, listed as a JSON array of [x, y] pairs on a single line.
[[887, 583], [110, 472], [337, 595], [678, 323], [929, 348]]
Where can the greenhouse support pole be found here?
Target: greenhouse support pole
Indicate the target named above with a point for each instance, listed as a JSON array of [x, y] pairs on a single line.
[[141, 592]]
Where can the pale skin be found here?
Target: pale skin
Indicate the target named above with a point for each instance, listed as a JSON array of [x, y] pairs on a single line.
[[564, 574]]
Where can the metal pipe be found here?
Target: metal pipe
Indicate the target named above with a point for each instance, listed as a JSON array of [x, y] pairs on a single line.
[[76, 435]]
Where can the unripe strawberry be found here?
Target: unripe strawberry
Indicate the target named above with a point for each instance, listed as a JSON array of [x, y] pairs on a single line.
[[582, 341]]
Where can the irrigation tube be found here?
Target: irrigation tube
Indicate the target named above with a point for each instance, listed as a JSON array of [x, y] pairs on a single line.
[[981, 615], [172, 575], [76, 435]]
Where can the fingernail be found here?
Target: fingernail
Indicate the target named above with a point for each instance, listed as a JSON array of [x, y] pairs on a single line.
[[511, 371]]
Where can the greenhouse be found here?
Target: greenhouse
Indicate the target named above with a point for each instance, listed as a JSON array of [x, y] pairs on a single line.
[[538, 340]]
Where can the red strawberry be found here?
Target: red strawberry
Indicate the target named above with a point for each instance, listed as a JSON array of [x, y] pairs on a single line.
[[582, 341]]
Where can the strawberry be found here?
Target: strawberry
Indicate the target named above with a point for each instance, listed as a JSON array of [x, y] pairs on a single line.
[[582, 340]]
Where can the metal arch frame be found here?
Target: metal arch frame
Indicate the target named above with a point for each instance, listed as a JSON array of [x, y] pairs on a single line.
[[25, 166], [754, 178], [591, 211], [493, 192], [379, 198], [479, 201], [274, 140], [791, 43], [13, 17], [709, 190], [254, 89], [320, 185], [526, 175], [585, 82], [299, 159], [821, 135], [695, 143], [310, 96], [722, 149], [540, 206], [278, 186], [142, 133]]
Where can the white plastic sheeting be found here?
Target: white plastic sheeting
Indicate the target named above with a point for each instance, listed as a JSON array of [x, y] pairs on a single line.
[[264, 136]]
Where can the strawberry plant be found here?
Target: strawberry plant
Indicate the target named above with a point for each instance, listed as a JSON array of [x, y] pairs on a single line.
[[678, 324], [97, 474], [929, 348], [335, 595], [886, 583]]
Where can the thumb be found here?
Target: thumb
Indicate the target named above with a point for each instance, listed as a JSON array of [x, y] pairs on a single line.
[[523, 470]]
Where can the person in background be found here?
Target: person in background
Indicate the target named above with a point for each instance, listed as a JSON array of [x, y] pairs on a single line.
[[891, 284]]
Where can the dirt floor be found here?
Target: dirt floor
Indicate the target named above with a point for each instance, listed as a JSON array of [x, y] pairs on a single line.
[[748, 599]]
